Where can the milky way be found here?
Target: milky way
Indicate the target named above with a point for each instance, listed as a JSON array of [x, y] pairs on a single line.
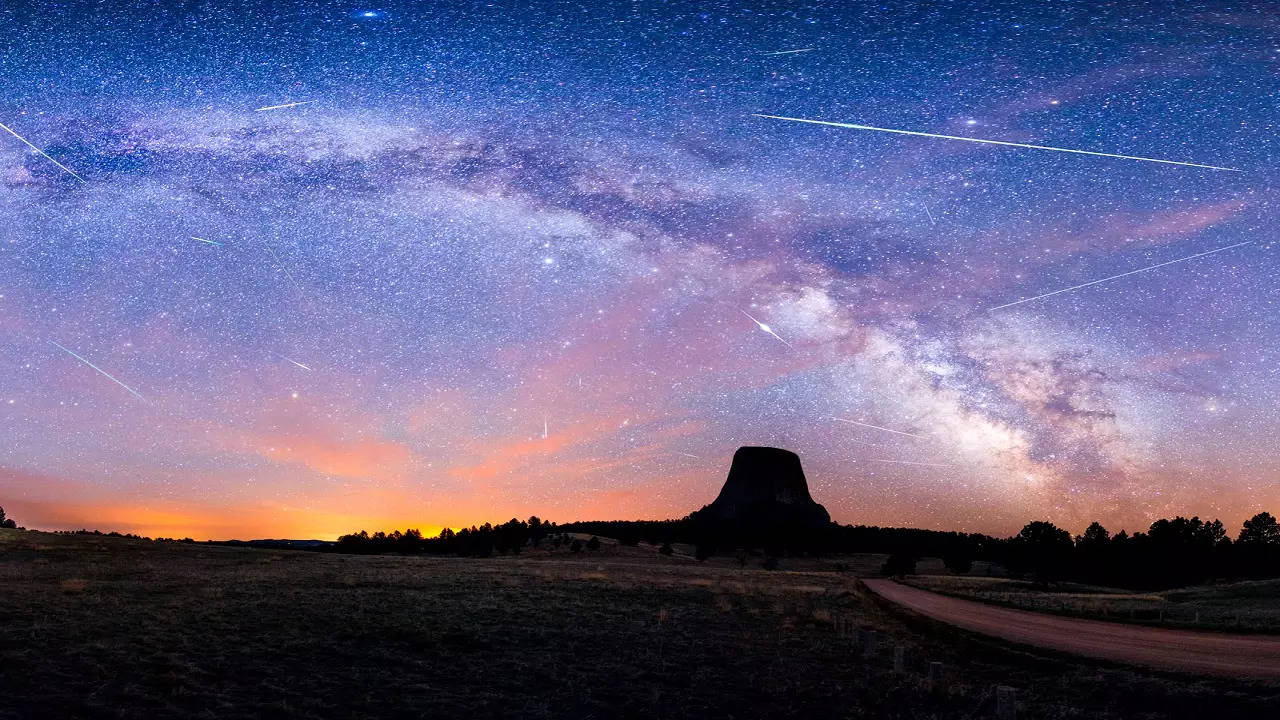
[[416, 265]]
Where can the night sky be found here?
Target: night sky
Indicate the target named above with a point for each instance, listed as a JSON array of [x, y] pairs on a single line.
[[506, 262]]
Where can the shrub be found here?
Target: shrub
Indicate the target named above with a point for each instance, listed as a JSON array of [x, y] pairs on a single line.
[[899, 564]]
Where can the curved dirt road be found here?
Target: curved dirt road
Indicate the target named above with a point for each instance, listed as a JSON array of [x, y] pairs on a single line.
[[1206, 653]]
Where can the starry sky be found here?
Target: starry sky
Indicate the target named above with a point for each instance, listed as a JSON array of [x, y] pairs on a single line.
[[505, 261]]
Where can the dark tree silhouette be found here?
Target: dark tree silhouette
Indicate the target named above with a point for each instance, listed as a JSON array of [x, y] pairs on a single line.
[[537, 531], [593, 544], [666, 549], [1261, 529], [1095, 536], [899, 563], [1042, 548], [6, 522], [958, 563]]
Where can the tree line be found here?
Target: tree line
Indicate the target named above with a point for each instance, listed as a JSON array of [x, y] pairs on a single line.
[[482, 541], [1170, 553]]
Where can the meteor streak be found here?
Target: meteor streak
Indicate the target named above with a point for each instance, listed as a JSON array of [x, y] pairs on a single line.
[[1126, 274], [295, 362], [877, 427], [283, 268], [284, 106], [994, 142], [767, 329], [789, 52], [211, 242], [95, 367], [64, 168], [909, 462]]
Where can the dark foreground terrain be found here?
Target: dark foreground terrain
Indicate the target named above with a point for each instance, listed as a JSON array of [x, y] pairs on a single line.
[[116, 628]]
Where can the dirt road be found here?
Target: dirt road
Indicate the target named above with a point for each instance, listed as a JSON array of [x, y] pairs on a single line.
[[1238, 656]]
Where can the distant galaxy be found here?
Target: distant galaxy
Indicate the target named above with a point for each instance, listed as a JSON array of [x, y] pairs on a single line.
[[297, 269]]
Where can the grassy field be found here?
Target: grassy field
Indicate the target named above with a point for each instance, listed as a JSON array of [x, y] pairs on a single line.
[[100, 627], [1238, 607]]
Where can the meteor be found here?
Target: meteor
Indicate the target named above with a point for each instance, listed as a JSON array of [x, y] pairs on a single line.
[[284, 269], [211, 242], [1126, 274], [95, 367], [909, 462], [284, 106], [877, 427], [64, 168], [767, 329], [295, 362], [695, 457], [994, 142], [789, 52], [926, 212]]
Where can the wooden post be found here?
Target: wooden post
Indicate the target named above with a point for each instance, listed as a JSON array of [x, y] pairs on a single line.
[[899, 659], [1006, 703], [860, 638], [869, 648], [934, 682]]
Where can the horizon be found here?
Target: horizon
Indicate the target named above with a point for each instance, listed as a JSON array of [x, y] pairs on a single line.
[[1232, 528], [434, 267]]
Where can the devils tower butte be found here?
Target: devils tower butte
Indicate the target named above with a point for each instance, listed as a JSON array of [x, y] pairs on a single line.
[[766, 487]]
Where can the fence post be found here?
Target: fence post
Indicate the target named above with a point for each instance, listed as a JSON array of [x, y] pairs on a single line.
[[869, 648], [1006, 703], [899, 659], [935, 677]]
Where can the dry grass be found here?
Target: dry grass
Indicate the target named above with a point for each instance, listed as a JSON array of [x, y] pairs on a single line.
[[73, 586], [1242, 607], [96, 627]]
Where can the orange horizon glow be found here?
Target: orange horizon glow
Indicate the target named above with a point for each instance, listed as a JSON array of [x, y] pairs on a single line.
[[258, 523]]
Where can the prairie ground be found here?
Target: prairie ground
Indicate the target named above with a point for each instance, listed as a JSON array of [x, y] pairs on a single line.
[[1233, 607], [99, 627]]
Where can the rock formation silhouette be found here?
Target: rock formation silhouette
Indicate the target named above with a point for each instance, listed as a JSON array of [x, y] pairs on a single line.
[[766, 484], [765, 501]]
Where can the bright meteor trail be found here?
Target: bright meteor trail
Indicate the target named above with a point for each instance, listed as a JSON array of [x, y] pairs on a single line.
[[877, 427], [95, 367], [993, 142], [789, 52], [295, 362], [286, 105], [1126, 274], [64, 168], [767, 329], [909, 462]]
